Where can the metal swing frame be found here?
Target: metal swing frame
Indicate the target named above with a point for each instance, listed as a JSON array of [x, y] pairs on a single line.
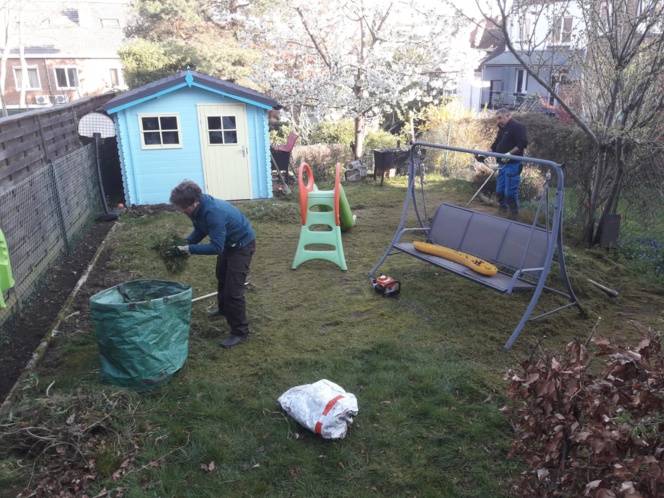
[[527, 271]]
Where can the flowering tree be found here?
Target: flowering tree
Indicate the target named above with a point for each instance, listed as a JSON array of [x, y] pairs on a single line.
[[355, 59]]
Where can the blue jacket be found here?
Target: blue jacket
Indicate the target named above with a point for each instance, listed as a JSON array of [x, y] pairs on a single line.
[[225, 224]]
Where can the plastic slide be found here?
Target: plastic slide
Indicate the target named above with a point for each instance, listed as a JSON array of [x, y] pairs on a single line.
[[346, 217]]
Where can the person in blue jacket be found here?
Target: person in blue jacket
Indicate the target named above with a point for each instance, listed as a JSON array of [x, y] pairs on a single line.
[[511, 140], [232, 239]]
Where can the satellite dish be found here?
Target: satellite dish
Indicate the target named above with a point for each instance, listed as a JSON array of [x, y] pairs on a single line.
[[96, 123]]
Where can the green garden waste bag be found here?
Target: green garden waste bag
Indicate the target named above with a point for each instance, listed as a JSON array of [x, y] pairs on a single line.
[[142, 331]]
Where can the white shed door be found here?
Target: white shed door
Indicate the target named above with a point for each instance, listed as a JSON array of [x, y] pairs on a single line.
[[226, 165]]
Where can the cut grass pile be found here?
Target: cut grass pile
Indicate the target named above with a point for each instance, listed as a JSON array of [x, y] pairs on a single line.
[[426, 367]]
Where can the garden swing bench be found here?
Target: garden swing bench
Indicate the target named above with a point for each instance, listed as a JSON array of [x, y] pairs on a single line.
[[523, 253]]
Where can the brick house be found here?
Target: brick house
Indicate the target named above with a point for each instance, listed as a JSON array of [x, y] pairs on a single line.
[[70, 51]]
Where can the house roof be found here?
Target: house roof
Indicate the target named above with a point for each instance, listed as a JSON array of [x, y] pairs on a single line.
[[188, 78], [81, 29], [535, 58]]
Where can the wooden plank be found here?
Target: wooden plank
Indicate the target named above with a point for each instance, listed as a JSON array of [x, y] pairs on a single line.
[[20, 148], [11, 134]]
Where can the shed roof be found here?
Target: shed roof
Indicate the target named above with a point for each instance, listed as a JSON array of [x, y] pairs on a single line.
[[536, 58], [188, 78]]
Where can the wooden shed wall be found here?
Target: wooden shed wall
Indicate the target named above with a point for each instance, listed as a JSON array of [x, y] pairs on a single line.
[[149, 175]]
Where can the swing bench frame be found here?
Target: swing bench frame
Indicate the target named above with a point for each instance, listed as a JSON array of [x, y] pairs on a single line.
[[523, 253]]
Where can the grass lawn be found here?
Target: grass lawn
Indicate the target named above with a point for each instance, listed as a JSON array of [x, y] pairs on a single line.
[[426, 369]]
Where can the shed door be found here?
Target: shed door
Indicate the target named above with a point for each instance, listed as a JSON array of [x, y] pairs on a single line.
[[224, 150]]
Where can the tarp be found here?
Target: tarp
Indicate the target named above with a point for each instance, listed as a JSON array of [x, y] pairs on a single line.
[[142, 331]]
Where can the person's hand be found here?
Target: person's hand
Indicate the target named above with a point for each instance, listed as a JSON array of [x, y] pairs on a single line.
[[177, 251], [505, 160]]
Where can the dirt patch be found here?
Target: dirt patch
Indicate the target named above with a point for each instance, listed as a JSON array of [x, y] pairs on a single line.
[[36, 320]]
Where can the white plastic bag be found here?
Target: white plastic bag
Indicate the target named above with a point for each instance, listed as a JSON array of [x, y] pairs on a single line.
[[322, 407]]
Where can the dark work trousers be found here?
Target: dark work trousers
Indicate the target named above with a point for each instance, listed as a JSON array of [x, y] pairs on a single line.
[[507, 188], [232, 271]]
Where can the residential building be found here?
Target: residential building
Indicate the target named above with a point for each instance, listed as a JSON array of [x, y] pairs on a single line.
[[70, 51], [545, 35]]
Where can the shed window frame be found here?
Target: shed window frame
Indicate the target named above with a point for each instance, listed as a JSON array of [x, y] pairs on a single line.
[[162, 130]]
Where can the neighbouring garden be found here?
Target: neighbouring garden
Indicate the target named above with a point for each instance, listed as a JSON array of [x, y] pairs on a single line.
[[425, 366]]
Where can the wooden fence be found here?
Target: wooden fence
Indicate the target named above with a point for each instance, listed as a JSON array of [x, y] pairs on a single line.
[[30, 140]]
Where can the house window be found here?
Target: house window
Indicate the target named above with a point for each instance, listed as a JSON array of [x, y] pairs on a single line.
[[110, 23], [521, 81], [525, 29], [115, 78], [66, 77], [160, 132], [222, 130], [605, 11], [32, 83], [562, 31]]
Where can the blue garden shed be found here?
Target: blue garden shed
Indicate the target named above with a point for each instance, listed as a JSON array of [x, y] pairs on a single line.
[[191, 125]]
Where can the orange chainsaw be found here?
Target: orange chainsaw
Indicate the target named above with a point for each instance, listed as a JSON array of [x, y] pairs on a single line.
[[386, 286]]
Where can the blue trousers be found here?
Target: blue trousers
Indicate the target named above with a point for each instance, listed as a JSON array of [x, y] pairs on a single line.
[[507, 187]]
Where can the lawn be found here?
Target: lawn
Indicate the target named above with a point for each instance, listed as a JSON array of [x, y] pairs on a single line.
[[426, 368]]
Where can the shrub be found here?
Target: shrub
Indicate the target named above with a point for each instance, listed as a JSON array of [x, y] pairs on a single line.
[[585, 434]]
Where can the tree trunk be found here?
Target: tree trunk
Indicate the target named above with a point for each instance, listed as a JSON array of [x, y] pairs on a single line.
[[598, 175], [360, 123], [614, 190]]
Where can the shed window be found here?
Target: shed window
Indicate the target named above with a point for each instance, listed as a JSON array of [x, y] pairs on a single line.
[[222, 130], [160, 132]]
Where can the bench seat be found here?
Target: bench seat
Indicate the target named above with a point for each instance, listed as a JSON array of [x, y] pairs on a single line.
[[501, 281]]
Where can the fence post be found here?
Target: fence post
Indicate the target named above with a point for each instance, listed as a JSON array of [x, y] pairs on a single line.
[[58, 207]]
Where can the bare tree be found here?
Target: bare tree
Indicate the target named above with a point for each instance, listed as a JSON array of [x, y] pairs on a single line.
[[616, 50]]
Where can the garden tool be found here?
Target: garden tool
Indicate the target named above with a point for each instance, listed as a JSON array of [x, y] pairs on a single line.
[[493, 170]]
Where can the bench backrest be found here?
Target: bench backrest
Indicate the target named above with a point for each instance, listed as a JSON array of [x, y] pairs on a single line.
[[492, 238]]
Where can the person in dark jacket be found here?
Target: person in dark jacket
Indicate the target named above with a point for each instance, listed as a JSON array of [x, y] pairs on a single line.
[[232, 239], [512, 140]]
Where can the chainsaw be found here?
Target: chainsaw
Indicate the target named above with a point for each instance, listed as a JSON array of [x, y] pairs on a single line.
[[386, 286]]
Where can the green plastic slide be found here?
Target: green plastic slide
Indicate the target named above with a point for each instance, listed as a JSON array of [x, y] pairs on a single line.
[[346, 218]]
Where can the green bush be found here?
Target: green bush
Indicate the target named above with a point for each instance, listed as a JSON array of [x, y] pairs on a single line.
[[333, 132]]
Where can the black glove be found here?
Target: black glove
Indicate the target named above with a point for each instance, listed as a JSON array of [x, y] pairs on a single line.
[[480, 158]]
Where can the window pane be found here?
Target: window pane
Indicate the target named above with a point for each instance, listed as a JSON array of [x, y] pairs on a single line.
[[150, 123], [215, 137], [152, 138], [171, 137], [33, 78], [114, 78], [230, 137], [61, 77], [169, 123], [229, 123], [214, 123], [72, 74]]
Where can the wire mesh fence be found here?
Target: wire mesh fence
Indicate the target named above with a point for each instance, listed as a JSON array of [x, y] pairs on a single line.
[[42, 219]]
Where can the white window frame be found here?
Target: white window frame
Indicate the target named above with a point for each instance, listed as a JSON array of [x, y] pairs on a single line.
[[562, 36], [162, 145], [116, 83], [524, 89], [110, 22], [18, 71], [66, 69], [525, 29], [605, 14]]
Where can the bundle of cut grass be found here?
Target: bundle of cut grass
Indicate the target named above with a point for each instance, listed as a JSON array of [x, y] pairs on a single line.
[[175, 263]]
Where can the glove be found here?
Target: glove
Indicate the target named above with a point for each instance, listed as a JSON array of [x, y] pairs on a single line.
[[177, 251], [480, 158], [505, 160]]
